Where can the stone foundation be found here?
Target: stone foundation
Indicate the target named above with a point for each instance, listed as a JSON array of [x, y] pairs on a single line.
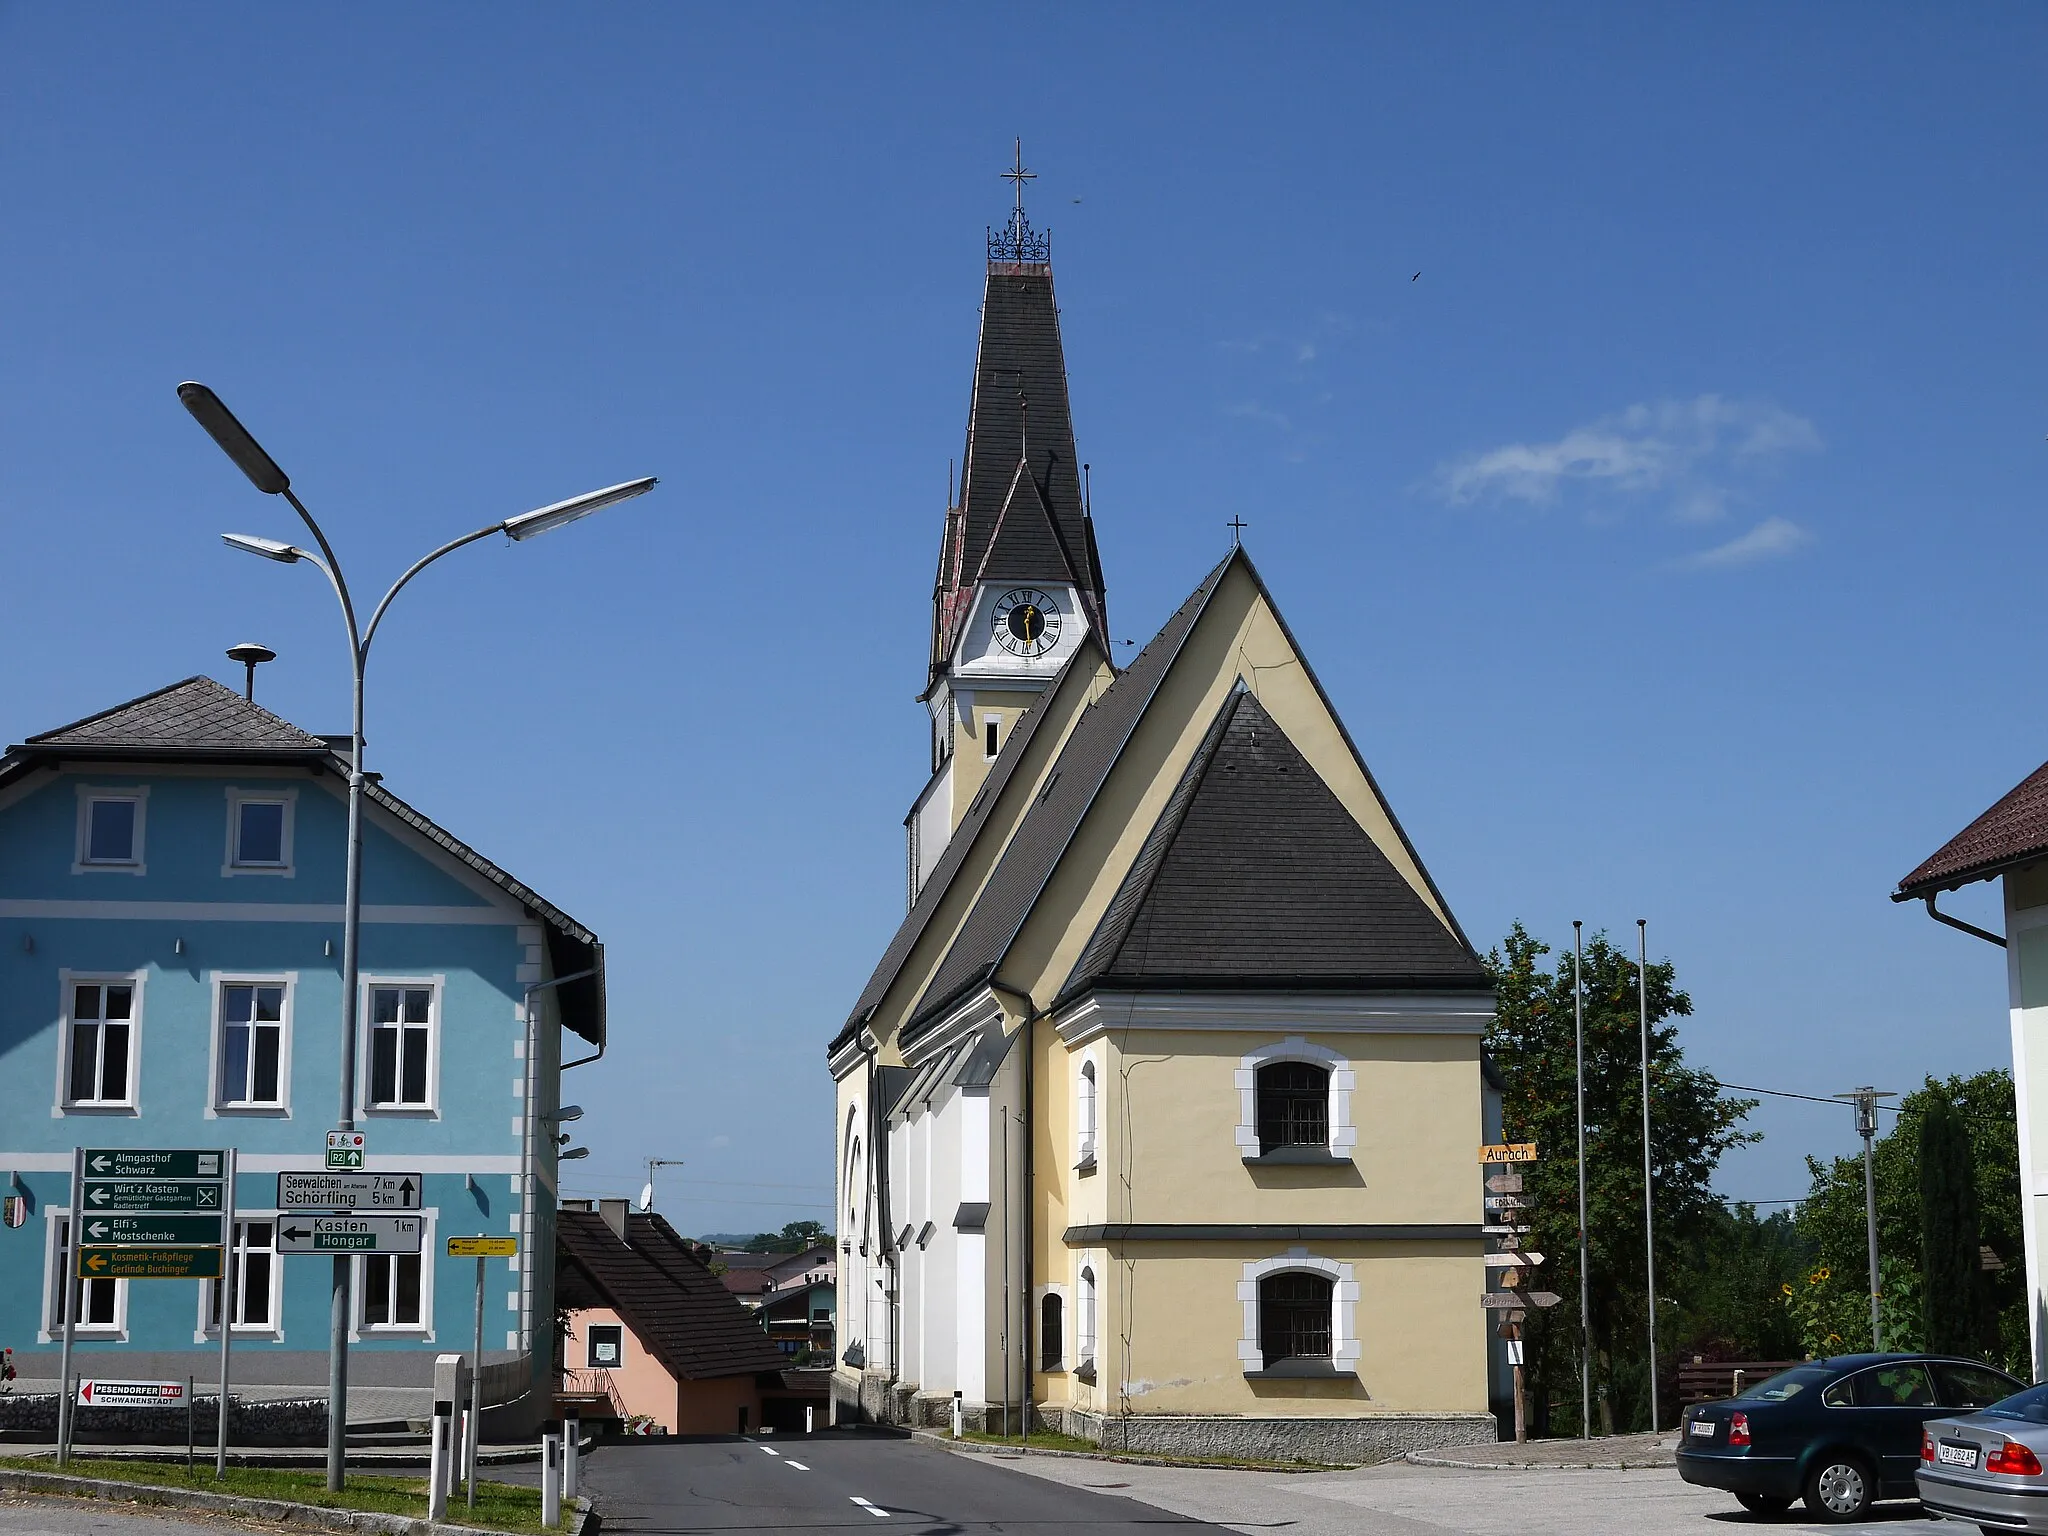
[[1355, 1440]]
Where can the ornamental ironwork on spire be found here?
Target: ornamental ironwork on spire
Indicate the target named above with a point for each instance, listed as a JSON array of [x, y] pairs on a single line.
[[1019, 242]]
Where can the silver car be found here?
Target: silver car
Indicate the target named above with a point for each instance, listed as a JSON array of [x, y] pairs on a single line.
[[1986, 1467]]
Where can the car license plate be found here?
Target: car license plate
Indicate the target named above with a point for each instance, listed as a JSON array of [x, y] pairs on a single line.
[[1704, 1428], [1956, 1455]]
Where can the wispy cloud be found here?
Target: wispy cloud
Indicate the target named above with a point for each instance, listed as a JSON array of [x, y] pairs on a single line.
[[1251, 410], [1770, 539], [1669, 448]]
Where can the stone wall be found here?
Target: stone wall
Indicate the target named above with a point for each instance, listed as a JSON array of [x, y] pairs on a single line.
[[1356, 1440], [296, 1422]]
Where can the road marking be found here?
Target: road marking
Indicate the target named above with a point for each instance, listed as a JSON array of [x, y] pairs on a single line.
[[798, 1465], [771, 1450], [864, 1504]]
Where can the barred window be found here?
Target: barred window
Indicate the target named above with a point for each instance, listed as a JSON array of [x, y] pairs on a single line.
[[1294, 1105], [1294, 1317]]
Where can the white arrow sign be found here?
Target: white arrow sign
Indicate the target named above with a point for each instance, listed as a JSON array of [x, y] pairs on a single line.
[[348, 1234], [349, 1191], [1503, 1231], [1512, 1260]]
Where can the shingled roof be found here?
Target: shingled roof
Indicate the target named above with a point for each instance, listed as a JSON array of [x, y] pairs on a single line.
[[1019, 400], [1084, 763], [197, 715], [676, 1307], [2011, 833], [1256, 876]]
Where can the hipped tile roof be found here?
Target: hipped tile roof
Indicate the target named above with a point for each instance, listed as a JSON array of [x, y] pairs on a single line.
[[195, 715], [2012, 832], [677, 1308]]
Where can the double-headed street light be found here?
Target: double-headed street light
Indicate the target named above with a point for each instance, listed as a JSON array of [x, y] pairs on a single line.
[[264, 473]]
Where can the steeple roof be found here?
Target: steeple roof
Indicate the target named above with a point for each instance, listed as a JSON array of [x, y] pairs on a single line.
[[1031, 528]]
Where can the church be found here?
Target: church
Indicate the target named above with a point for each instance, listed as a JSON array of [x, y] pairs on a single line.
[[1156, 1123]]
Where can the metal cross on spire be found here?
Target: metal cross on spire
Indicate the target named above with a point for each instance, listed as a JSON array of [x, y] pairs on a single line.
[[1018, 175], [1237, 526], [1019, 242]]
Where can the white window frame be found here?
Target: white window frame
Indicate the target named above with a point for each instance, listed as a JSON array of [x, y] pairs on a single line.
[[231, 863], [431, 1109], [1345, 1348], [1343, 1141], [1087, 1324], [1087, 1112], [991, 721], [137, 863], [205, 1330], [66, 1001], [52, 1330], [423, 1330], [220, 982]]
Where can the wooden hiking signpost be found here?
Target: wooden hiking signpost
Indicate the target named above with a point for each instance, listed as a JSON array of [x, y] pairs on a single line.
[[1503, 1205]]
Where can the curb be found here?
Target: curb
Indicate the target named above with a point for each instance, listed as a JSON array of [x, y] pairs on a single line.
[[1127, 1458], [1439, 1459], [270, 1511]]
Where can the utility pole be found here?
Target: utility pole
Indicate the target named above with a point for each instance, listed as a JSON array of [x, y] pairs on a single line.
[[1865, 1100], [1649, 1207], [1585, 1290]]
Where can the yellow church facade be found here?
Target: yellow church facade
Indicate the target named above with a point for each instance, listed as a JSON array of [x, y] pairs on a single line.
[[1156, 1122]]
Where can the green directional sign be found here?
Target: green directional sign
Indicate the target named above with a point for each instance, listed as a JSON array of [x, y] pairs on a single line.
[[152, 1195], [140, 1228], [149, 1263], [154, 1163]]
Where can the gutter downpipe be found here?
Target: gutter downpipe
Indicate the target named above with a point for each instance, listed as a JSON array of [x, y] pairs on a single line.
[[1956, 922], [878, 1165], [1032, 1015], [529, 1185]]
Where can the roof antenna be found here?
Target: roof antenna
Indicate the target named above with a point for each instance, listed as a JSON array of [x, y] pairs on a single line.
[[1087, 492], [950, 503], [250, 655]]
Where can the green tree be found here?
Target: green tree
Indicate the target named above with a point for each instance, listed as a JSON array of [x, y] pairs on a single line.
[[1951, 1275], [1692, 1125]]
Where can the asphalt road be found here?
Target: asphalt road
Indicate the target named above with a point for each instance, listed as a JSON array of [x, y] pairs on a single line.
[[847, 1481]]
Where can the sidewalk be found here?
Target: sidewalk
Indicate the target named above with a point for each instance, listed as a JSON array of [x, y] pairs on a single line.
[[1618, 1453]]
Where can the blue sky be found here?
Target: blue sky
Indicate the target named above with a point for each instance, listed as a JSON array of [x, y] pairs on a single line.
[[1670, 543]]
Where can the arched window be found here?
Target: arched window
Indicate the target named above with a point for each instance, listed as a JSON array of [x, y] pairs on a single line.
[[1085, 1117], [1085, 1342], [1052, 1333], [1294, 1105], [1294, 1316]]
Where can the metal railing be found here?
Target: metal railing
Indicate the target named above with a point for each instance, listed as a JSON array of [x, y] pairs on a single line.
[[593, 1383]]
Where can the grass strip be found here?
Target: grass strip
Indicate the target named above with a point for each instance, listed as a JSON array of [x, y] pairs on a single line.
[[499, 1506]]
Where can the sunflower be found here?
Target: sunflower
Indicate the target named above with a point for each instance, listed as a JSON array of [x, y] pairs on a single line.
[[1787, 1289]]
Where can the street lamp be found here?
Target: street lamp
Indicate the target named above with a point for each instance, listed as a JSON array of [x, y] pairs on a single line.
[[263, 472]]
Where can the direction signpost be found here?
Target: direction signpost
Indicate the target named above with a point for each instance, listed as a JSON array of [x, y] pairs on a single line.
[[1516, 1267], [481, 1249], [145, 1213], [348, 1233], [346, 1191]]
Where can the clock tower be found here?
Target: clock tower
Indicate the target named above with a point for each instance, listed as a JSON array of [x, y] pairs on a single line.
[[1019, 583]]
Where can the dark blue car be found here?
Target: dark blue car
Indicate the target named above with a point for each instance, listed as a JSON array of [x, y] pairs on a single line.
[[1839, 1433]]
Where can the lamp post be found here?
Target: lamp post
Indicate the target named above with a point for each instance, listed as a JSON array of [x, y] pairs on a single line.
[[263, 472]]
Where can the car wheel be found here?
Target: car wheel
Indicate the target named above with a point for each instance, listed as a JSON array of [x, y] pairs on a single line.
[[1763, 1503], [1840, 1487]]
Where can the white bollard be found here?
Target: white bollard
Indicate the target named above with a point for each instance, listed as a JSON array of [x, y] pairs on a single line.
[[572, 1435], [550, 1477], [808, 1411], [438, 1458], [956, 1415]]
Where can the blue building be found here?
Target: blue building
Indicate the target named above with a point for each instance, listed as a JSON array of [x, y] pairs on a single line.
[[171, 885]]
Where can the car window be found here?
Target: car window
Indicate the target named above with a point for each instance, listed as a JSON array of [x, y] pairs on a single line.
[[2030, 1404], [1840, 1394], [1894, 1386], [1775, 1389], [1971, 1386]]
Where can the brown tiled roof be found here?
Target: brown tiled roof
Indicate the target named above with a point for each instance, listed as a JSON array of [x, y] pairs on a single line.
[[679, 1310], [2014, 831]]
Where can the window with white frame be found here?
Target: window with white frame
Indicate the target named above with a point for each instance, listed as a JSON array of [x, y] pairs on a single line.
[[1300, 1316], [101, 1303], [1084, 1116], [991, 736], [393, 1287], [255, 1280], [402, 1020], [110, 827], [259, 832], [99, 1043], [1294, 1103], [1084, 1330], [254, 1068]]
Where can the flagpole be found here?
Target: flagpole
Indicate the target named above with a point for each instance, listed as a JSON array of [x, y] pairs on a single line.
[[1585, 1291], [1649, 1208]]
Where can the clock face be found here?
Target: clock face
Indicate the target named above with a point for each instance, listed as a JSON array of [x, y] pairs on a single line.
[[1027, 622]]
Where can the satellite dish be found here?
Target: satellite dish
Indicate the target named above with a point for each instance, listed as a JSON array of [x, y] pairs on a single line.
[[647, 1197]]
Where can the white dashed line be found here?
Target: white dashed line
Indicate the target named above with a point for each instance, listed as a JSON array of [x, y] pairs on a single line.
[[799, 1466], [864, 1504], [771, 1450]]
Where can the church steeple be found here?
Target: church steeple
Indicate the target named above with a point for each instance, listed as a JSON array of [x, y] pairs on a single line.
[[1021, 517]]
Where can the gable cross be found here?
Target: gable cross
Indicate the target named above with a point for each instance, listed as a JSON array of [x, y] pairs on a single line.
[[1019, 175], [1237, 526]]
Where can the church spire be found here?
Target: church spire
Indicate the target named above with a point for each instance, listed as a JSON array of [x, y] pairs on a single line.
[[1021, 517]]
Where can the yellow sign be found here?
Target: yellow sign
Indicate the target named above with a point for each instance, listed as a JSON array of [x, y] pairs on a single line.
[[1509, 1152], [482, 1247], [176, 1262]]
